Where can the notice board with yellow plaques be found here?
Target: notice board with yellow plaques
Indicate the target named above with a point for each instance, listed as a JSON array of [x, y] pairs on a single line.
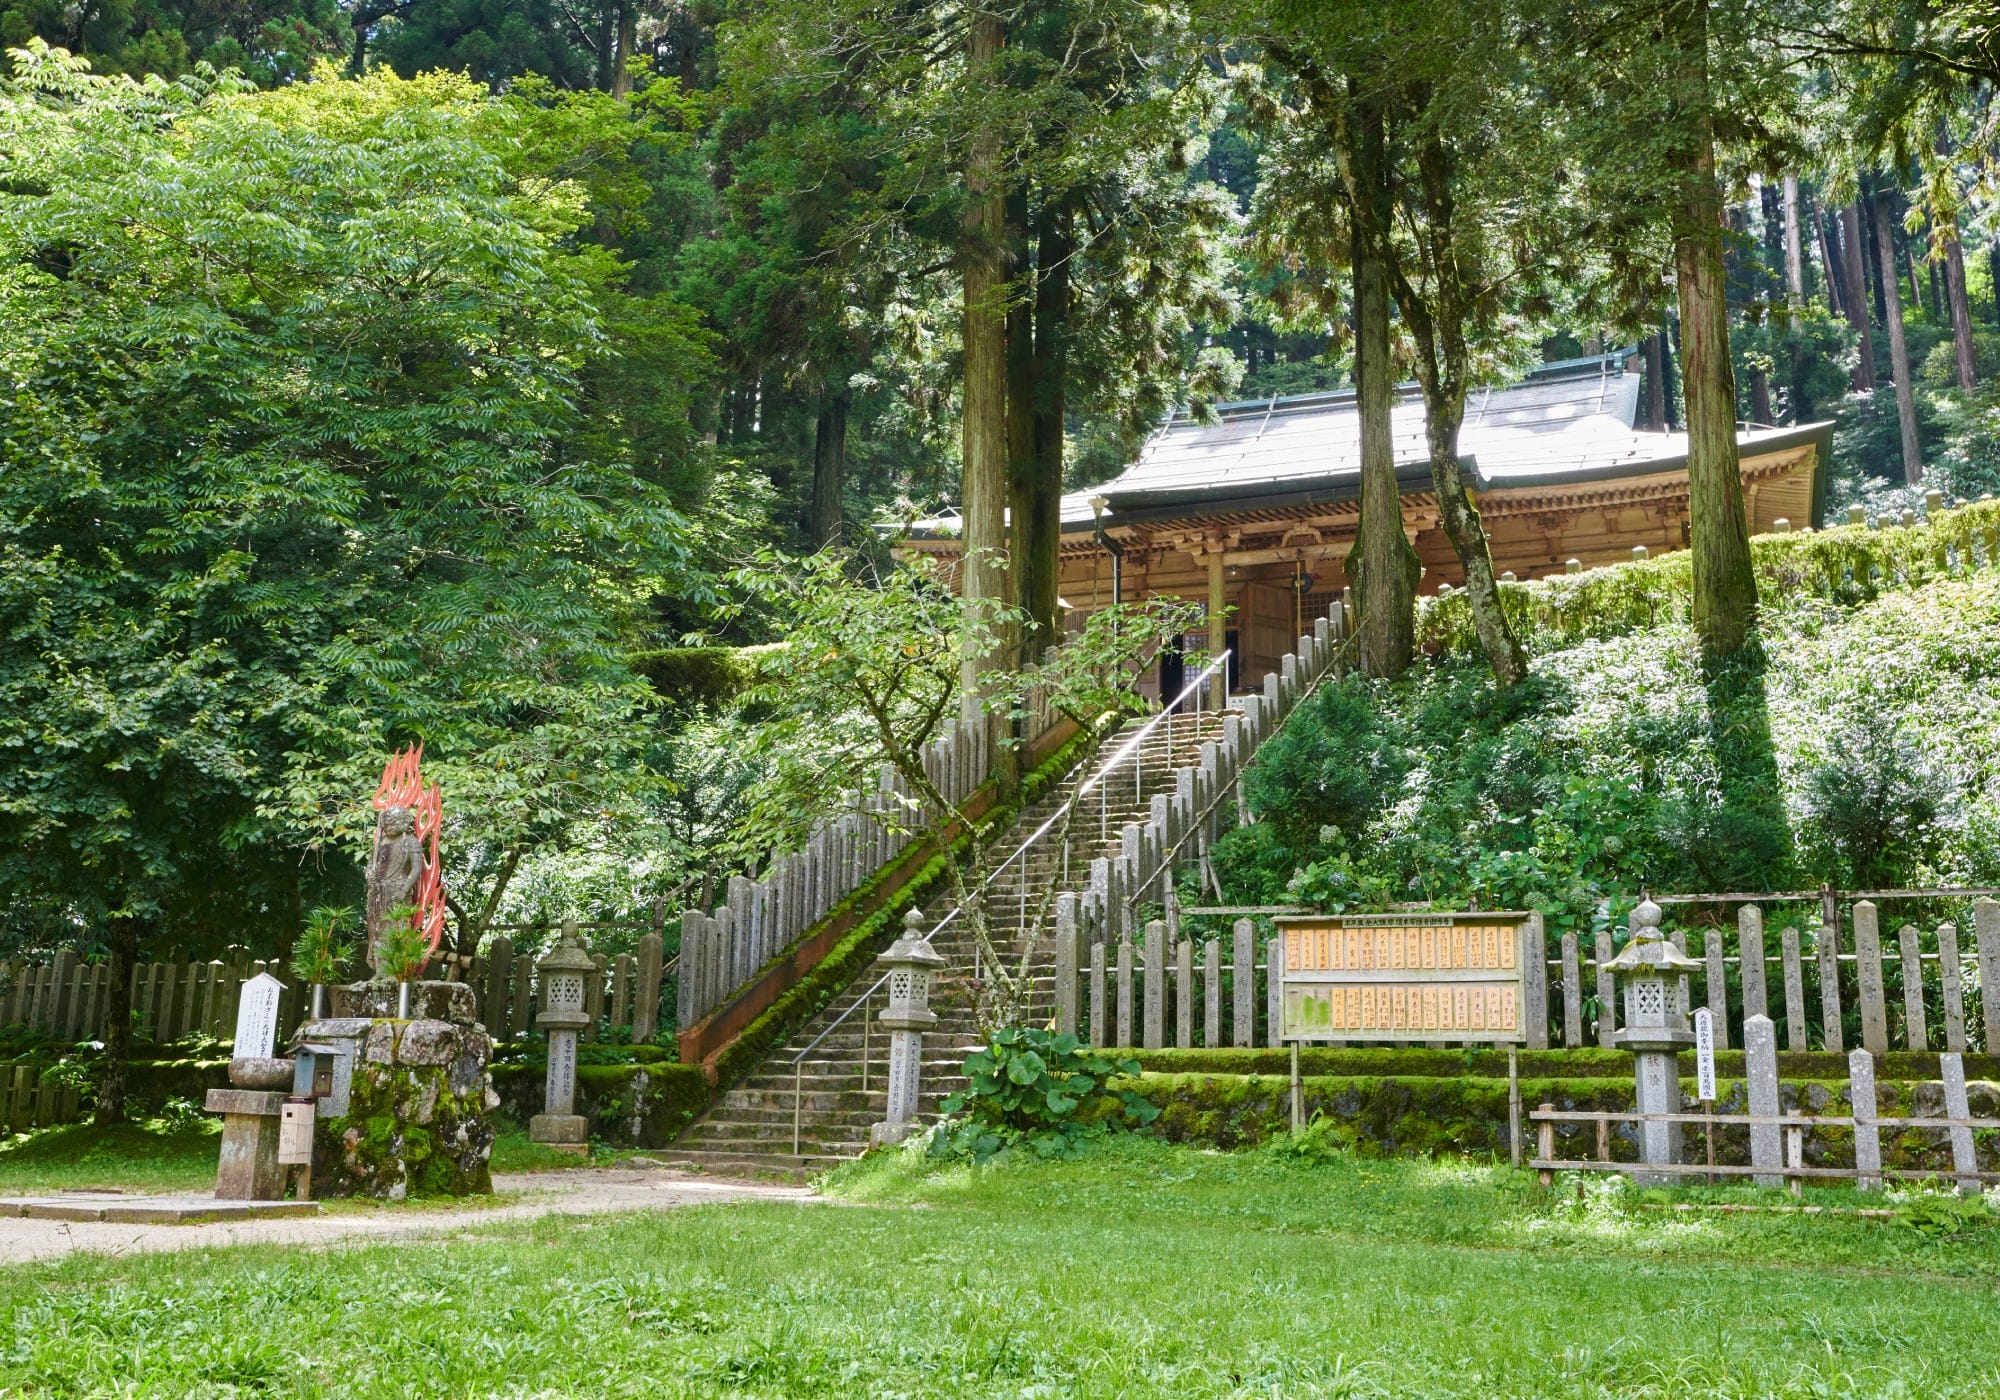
[[1403, 977]]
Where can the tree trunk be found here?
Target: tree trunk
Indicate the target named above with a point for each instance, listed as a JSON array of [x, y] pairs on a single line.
[[1656, 382], [829, 465], [1443, 369], [628, 40], [1054, 247], [1795, 260], [1836, 299], [1725, 586], [1760, 399], [1854, 292], [1021, 370], [1961, 307], [607, 44], [117, 1021], [984, 427], [1899, 355], [1382, 565], [1872, 266]]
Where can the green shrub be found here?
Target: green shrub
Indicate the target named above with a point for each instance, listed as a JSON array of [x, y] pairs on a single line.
[[1040, 1090]]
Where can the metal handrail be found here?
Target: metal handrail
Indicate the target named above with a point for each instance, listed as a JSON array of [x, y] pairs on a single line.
[[1167, 856], [1130, 746]]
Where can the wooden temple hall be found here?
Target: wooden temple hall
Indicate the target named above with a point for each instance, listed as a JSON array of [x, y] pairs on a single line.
[[1256, 511]]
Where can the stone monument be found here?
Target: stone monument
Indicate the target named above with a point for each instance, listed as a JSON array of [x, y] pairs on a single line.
[[562, 974], [407, 1104], [1655, 1031], [253, 1105]]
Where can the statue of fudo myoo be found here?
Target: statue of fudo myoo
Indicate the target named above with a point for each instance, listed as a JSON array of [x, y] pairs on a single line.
[[395, 869]]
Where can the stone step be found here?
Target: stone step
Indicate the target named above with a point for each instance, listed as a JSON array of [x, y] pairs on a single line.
[[773, 1166]]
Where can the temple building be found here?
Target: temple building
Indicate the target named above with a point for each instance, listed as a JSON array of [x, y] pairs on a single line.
[[1255, 511]]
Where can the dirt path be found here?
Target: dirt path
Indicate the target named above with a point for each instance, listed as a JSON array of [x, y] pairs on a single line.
[[585, 1191]]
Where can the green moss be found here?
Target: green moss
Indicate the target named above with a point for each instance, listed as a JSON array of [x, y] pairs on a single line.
[[710, 676], [1394, 1115], [667, 1097], [848, 958]]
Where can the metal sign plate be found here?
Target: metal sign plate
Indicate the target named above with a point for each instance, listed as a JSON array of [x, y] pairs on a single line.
[[295, 1135], [1403, 977]]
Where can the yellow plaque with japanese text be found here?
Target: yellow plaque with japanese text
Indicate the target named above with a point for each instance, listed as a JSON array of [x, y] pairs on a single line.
[[1403, 977]]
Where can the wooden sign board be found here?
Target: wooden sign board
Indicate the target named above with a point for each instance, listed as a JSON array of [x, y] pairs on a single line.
[[1403, 977], [295, 1135], [257, 1017]]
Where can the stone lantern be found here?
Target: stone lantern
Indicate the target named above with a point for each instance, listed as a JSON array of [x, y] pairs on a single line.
[[910, 962], [1655, 1030], [562, 973]]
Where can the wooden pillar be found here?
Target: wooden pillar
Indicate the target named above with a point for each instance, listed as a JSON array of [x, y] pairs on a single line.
[[1218, 627]]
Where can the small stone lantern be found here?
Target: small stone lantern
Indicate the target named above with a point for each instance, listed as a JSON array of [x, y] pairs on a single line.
[[1655, 1030], [562, 1015], [910, 961]]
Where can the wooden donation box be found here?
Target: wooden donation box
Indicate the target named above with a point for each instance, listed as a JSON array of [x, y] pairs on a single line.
[[1403, 977]]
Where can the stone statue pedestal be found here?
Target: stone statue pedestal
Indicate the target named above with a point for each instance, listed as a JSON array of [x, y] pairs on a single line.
[[410, 1113], [248, 1169], [429, 1001]]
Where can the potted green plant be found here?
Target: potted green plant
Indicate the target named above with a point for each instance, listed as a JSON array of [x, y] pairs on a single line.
[[319, 952], [403, 952]]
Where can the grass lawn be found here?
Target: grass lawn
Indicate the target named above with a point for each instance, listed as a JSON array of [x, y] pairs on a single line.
[[152, 1155], [1140, 1269]]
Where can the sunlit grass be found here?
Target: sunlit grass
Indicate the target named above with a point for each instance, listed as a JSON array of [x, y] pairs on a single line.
[[1140, 1270], [156, 1155]]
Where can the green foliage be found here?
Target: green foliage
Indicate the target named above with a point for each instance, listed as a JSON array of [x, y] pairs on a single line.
[[403, 949], [250, 510], [1037, 1089], [1844, 564], [1848, 752], [320, 951]]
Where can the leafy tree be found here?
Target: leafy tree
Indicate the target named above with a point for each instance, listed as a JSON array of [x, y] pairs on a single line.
[[869, 673], [269, 41], [289, 384]]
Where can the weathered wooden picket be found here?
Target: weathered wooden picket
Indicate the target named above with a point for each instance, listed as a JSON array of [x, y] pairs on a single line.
[[65, 1000], [1893, 985], [727, 947], [1114, 988], [1758, 1130], [35, 1095]]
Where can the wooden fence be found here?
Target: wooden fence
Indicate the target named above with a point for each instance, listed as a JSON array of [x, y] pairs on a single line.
[[726, 948], [65, 1000], [34, 1096], [1912, 991], [1773, 1164]]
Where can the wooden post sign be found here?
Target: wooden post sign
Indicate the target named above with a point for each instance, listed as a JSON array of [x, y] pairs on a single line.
[[1404, 977]]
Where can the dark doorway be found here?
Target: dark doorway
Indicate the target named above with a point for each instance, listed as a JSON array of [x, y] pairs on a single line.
[[1173, 671]]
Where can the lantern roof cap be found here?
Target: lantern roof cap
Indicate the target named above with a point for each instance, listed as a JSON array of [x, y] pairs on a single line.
[[568, 955], [913, 949], [1649, 952]]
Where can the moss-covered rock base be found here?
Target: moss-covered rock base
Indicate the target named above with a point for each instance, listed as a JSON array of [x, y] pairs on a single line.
[[419, 1118]]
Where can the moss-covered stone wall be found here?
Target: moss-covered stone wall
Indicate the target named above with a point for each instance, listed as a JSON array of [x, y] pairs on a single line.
[[637, 1105], [1402, 1111]]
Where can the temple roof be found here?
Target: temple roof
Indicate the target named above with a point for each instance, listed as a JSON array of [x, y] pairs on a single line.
[[1567, 422]]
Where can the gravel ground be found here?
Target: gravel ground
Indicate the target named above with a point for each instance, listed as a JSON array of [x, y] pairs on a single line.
[[585, 1191]]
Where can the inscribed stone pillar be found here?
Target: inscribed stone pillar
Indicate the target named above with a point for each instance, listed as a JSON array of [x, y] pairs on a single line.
[[1964, 1159], [1868, 977], [1535, 964], [1124, 994], [1750, 946], [1986, 939], [1066, 948], [1916, 1033], [1867, 1137], [1760, 1068], [1950, 975], [1243, 1028]]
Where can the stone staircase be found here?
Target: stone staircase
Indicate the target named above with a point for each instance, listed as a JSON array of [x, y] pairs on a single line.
[[749, 1130]]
